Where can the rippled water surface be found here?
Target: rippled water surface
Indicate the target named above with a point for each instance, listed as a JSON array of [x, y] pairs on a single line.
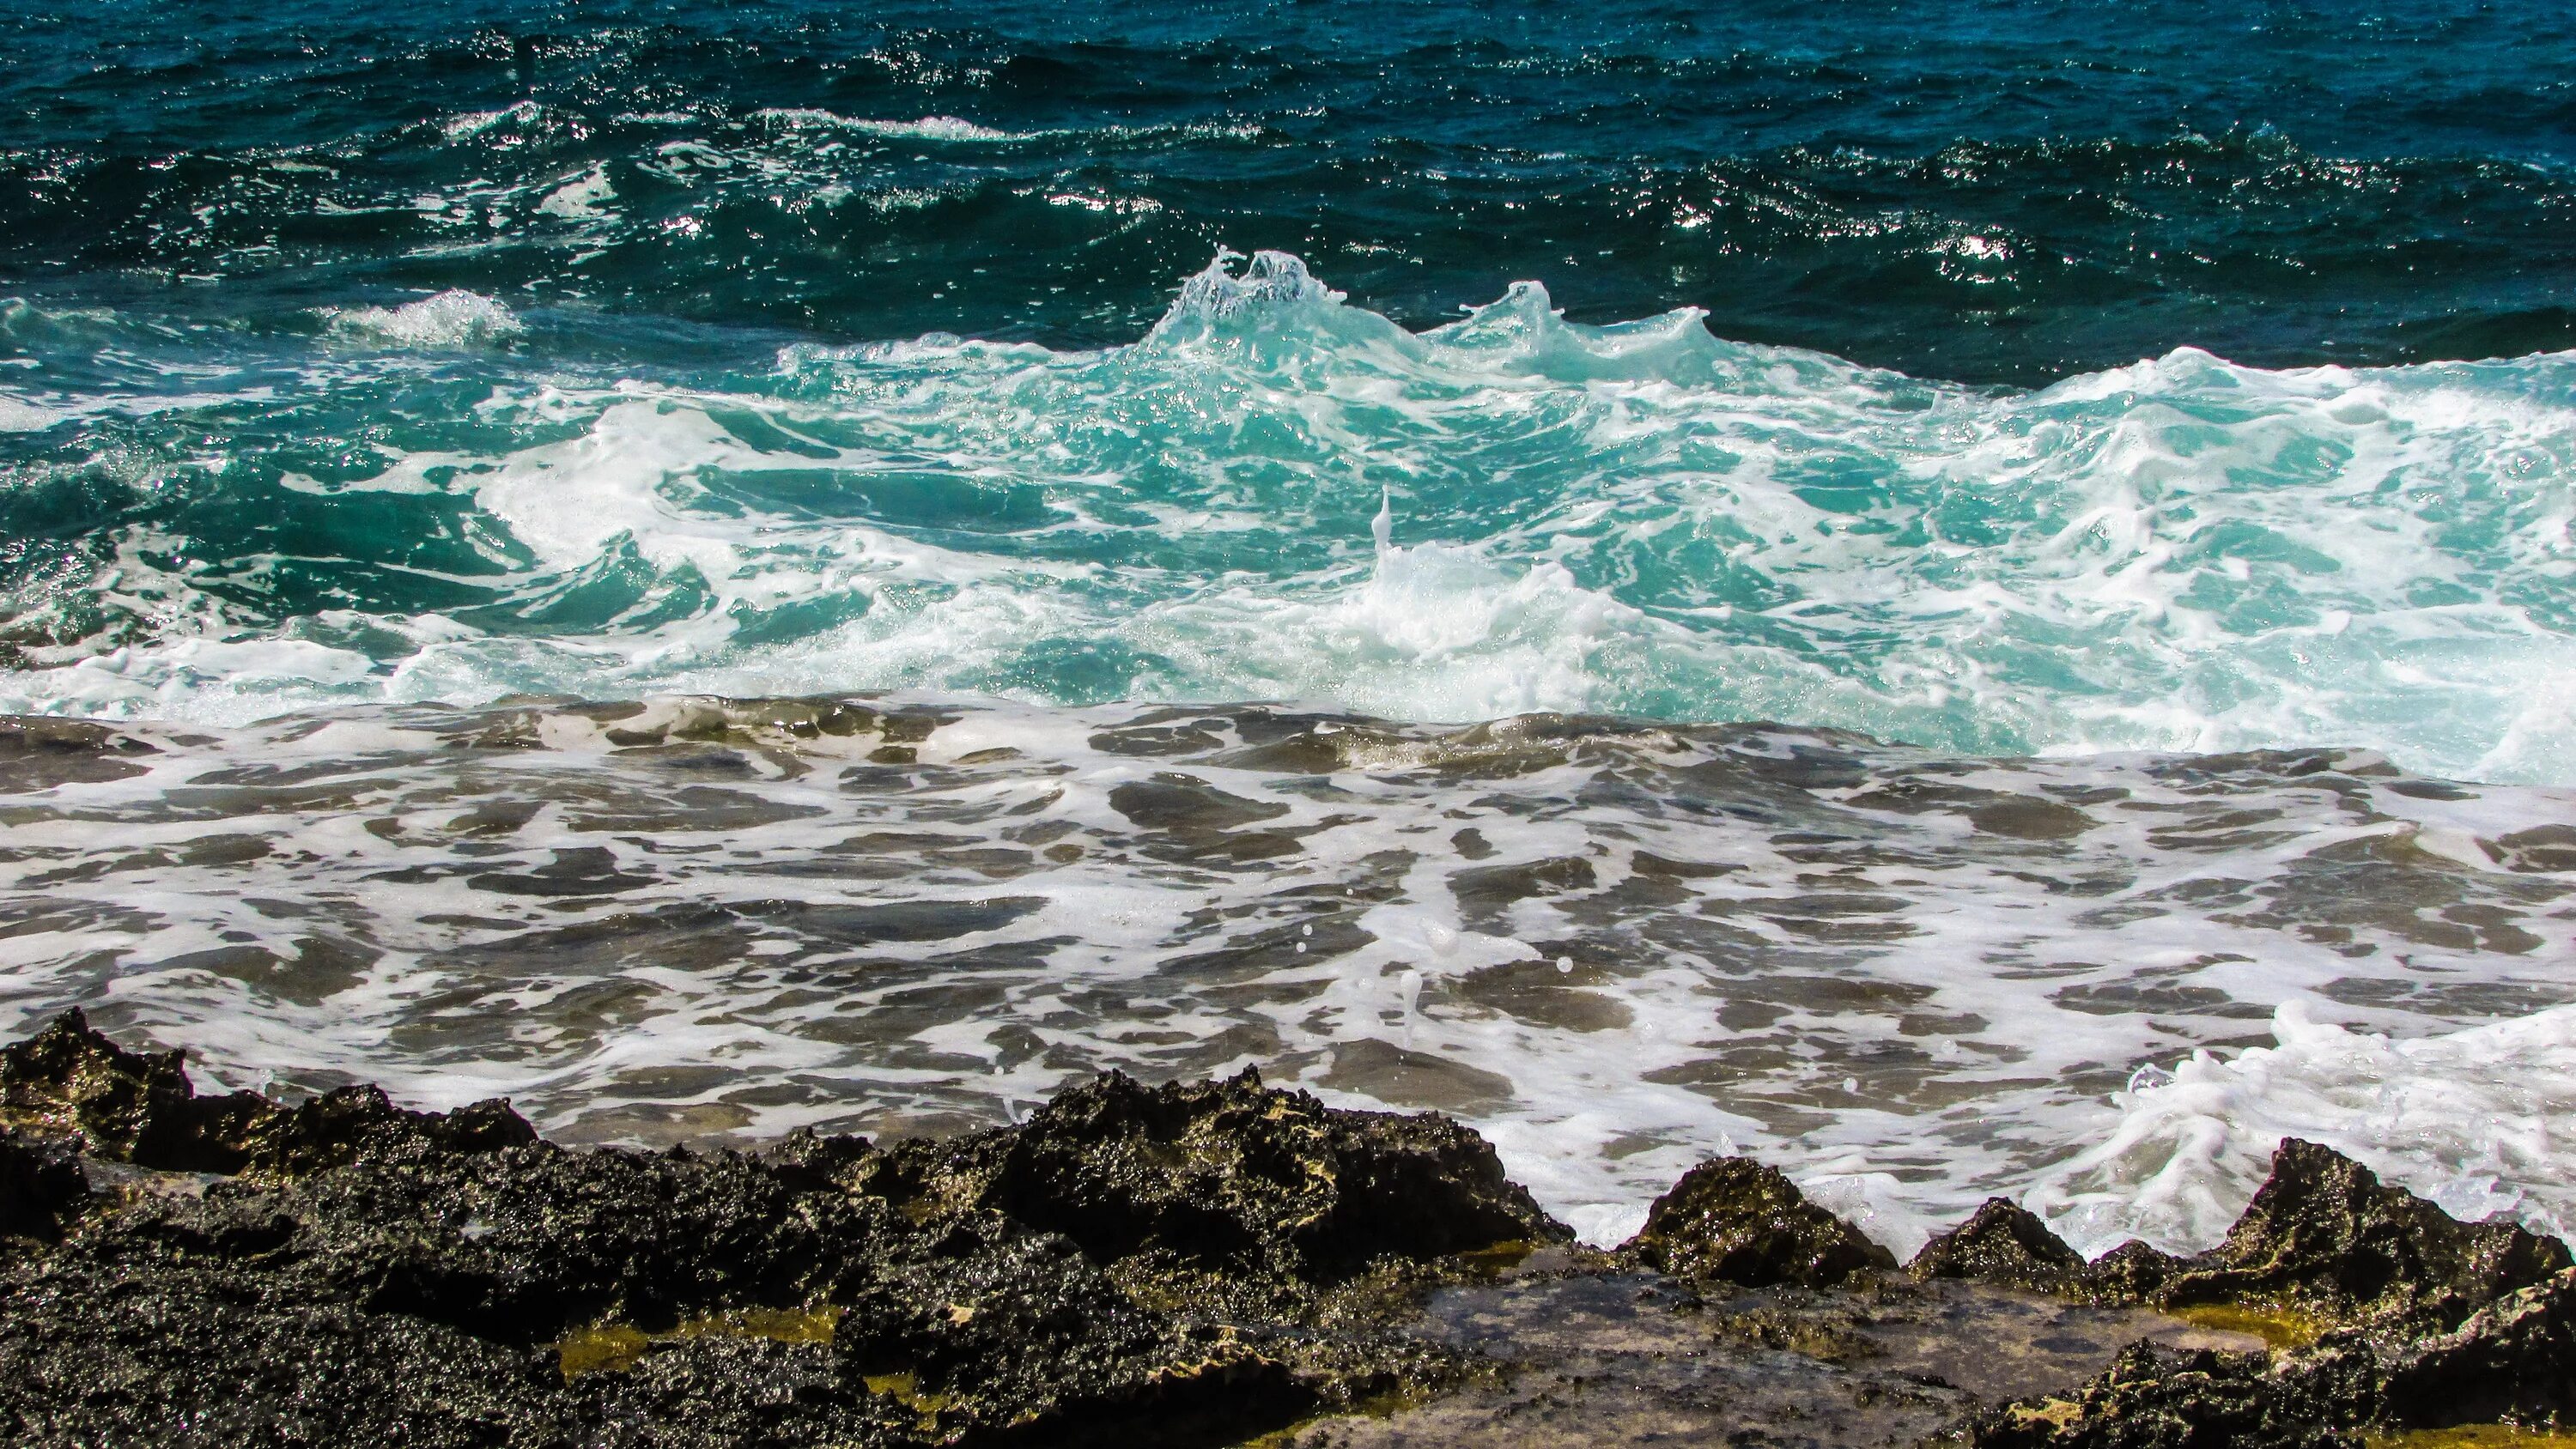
[[1914, 979], [720, 567]]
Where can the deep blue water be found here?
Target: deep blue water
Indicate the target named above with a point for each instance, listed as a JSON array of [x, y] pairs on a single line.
[[2277, 183]]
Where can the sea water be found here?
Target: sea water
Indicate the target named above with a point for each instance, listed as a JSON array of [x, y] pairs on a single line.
[[1971, 600]]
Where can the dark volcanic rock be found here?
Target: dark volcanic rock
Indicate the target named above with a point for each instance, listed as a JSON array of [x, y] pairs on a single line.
[[2325, 1234], [2432, 1323], [2159, 1400], [2513, 1360], [1176, 1267], [1736, 1219], [359, 1123], [164, 1352], [2130, 1273], [524, 1244], [1025, 1334], [1225, 1176], [42, 1187], [2323, 1238], [2002, 1243], [371, 1275], [742, 1393], [124, 1106], [139, 1107]]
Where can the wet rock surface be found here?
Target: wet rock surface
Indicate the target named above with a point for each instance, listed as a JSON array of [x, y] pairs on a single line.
[[230, 1270], [1223, 1177], [2326, 1235], [2382, 1312], [42, 1187], [1736, 1219], [2003, 1243], [1617, 1358], [1196, 1264]]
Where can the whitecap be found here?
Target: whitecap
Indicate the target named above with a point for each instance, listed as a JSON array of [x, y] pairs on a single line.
[[449, 320], [927, 128], [580, 198]]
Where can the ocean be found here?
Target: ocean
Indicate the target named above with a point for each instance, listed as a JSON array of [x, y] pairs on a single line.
[[1971, 599]]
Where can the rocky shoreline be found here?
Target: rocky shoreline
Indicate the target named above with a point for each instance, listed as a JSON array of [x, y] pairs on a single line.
[[1198, 1264]]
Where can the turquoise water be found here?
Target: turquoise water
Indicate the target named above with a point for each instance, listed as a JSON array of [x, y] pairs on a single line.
[[1277, 494], [601, 350]]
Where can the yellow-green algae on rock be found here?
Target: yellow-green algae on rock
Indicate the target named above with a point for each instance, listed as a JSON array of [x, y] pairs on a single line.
[[2279, 1328], [613, 1347], [2476, 1436]]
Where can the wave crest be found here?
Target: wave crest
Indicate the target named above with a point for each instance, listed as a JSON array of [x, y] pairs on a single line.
[[449, 321]]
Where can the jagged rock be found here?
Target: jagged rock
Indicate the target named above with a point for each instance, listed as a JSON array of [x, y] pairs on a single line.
[[2130, 1273], [175, 1355], [1027, 1333], [140, 1108], [2325, 1234], [469, 1266], [2152, 1399], [737, 1393], [376, 1275], [2002, 1243], [2512, 1360], [1736, 1219], [125, 1106], [521, 1245], [1150, 1268], [819, 1158], [355, 1123], [1225, 1176], [42, 1187]]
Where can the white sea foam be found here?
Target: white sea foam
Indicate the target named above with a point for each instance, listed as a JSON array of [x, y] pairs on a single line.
[[581, 199], [2478, 1120], [448, 320], [475, 123], [927, 128], [1910, 980], [20, 416]]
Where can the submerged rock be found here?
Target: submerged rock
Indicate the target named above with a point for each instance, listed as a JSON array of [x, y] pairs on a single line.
[[1738, 1220]]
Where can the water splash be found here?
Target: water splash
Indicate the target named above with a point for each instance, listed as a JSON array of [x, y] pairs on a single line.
[[1639, 519]]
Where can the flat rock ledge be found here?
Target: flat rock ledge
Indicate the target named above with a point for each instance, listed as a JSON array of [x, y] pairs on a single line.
[[1196, 1264]]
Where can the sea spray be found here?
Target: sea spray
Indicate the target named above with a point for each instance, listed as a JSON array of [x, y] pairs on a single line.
[[1276, 494]]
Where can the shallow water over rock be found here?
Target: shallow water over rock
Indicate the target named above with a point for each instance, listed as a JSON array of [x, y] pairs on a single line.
[[1910, 980]]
